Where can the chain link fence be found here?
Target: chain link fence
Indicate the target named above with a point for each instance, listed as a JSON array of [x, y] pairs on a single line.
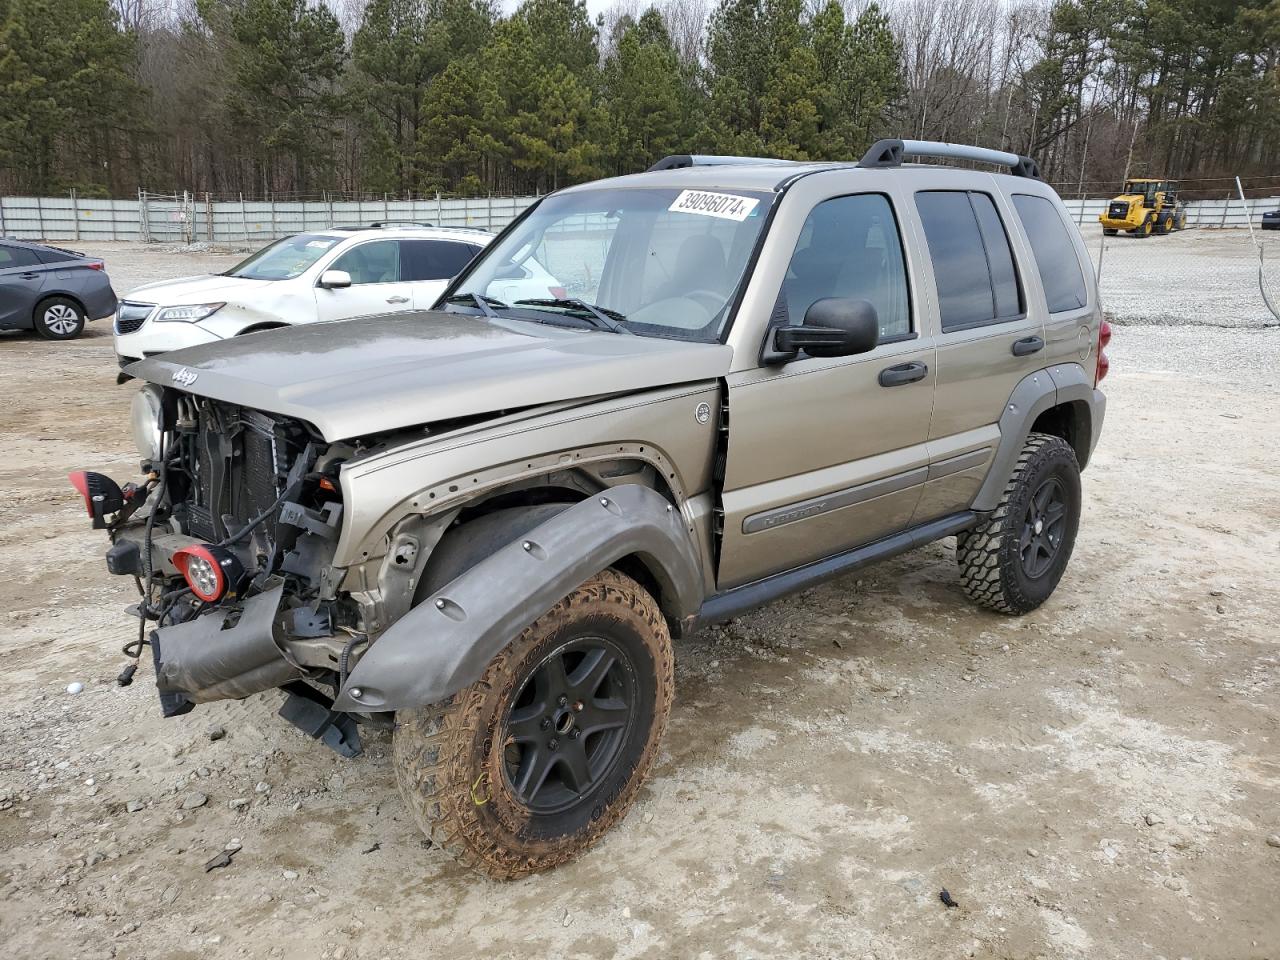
[[188, 218]]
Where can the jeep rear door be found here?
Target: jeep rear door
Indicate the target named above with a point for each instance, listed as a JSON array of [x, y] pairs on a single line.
[[990, 327], [828, 453]]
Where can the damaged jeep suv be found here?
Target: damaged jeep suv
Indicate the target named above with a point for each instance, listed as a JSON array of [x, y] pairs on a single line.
[[654, 401]]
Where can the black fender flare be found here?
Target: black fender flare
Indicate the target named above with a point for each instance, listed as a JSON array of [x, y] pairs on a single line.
[[445, 643], [1034, 394]]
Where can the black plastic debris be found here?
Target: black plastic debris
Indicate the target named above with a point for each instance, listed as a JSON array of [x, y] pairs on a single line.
[[223, 859], [946, 898]]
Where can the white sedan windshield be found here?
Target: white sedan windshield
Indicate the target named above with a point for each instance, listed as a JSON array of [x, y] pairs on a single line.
[[285, 259], [663, 262]]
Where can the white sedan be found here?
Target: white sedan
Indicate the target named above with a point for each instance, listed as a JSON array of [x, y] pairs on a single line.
[[335, 274]]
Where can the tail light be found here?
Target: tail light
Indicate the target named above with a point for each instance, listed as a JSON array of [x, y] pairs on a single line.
[[211, 572], [95, 264], [1104, 365], [101, 494]]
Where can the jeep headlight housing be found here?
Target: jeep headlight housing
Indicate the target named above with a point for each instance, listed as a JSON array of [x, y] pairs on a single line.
[[189, 313], [148, 425]]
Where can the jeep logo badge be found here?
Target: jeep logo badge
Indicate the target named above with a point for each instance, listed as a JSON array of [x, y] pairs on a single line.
[[187, 377], [702, 413]]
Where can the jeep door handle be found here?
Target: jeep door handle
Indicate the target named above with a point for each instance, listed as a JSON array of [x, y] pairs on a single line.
[[1027, 346], [903, 373], [29, 276], [397, 299]]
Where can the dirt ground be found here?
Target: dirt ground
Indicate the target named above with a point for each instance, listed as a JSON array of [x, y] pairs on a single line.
[[1096, 780]]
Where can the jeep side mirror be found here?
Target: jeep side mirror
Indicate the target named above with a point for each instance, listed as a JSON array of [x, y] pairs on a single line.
[[335, 279], [833, 327]]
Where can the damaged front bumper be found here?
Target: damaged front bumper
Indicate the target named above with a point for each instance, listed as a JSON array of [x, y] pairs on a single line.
[[226, 654], [236, 650]]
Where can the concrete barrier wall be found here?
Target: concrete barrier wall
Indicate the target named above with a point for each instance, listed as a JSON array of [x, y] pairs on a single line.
[[175, 219], [1200, 213]]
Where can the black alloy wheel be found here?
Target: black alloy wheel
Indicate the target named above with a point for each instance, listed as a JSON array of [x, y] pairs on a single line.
[[567, 724], [1043, 528]]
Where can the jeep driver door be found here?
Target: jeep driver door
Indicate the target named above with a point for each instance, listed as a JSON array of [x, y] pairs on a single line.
[[825, 454]]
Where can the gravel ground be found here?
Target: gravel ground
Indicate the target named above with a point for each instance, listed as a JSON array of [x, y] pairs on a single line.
[[1099, 779]]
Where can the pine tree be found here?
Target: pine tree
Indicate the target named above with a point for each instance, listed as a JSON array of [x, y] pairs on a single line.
[[649, 96], [286, 59], [401, 47], [66, 94]]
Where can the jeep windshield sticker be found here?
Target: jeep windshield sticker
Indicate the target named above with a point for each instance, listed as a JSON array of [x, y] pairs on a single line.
[[726, 206]]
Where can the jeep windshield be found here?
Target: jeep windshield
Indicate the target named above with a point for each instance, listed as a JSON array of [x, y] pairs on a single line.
[[659, 262], [285, 259]]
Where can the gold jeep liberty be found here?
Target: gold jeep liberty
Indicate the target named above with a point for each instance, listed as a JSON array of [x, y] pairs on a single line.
[[654, 401]]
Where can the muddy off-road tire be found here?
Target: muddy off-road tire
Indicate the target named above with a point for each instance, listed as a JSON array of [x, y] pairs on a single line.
[[529, 766], [1013, 561]]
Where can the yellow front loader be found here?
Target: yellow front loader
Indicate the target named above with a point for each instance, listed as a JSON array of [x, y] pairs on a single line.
[[1145, 207]]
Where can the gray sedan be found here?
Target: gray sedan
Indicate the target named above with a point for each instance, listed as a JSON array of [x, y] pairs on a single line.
[[51, 290]]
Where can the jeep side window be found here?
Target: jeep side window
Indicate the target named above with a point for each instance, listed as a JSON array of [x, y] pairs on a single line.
[[972, 260], [376, 262], [850, 247], [1054, 252]]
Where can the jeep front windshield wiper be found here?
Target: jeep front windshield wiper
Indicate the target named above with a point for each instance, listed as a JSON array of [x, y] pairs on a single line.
[[602, 317], [486, 304]]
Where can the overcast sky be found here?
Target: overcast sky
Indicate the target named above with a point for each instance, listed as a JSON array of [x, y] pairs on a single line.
[[593, 6]]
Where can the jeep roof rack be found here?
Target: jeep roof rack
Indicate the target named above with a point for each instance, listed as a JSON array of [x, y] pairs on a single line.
[[891, 153], [678, 161]]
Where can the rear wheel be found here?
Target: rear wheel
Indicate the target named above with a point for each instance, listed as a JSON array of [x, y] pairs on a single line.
[[534, 762], [1180, 221], [59, 318], [1148, 224], [1013, 561]]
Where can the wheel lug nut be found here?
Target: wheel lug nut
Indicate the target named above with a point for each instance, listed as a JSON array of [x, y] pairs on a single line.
[[563, 700], [546, 723], [552, 743]]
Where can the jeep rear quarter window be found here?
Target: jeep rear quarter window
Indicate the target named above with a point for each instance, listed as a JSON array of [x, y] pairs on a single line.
[[972, 260], [1055, 254]]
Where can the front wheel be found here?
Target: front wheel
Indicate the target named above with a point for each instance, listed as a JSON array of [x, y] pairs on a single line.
[[59, 318], [1012, 562], [535, 761]]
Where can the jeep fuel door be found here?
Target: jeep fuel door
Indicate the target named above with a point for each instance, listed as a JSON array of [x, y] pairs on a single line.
[[826, 453]]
